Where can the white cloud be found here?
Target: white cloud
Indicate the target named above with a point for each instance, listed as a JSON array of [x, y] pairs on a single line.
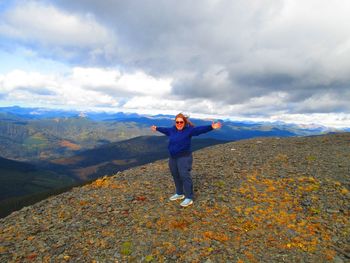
[[114, 82], [338, 120], [323, 103], [18, 79], [54, 30], [147, 103], [90, 87]]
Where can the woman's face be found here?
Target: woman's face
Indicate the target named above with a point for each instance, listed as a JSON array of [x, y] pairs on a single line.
[[180, 124]]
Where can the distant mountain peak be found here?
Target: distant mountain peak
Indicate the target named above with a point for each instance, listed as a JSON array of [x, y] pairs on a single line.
[[82, 114]]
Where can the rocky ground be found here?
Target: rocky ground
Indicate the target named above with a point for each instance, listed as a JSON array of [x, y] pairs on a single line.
[[258, 200]]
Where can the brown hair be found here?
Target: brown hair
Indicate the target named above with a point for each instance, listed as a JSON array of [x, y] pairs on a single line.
[[185, 118]]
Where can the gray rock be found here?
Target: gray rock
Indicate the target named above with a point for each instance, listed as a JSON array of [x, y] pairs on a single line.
[[337, 259]]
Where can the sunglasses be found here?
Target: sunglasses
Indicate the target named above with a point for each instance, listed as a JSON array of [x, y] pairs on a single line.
[[179, 122]]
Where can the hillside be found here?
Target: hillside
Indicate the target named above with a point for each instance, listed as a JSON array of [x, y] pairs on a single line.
[[27, 139], [24, 184], [19, 179], [257, 200], [113, 157]]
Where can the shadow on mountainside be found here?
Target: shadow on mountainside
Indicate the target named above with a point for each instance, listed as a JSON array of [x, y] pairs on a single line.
[[258, 200], [19, 188]]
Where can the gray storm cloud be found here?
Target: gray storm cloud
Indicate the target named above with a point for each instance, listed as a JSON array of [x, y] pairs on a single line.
[[260, 47], [252, 56]]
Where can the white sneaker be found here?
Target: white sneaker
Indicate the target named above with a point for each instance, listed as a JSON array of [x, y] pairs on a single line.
[[176, 197], [186, 202]]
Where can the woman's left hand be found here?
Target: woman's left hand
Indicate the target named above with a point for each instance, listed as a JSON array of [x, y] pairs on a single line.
[[216, 125], [154, 128]]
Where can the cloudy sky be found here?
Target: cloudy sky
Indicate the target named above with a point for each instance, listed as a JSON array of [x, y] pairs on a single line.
[[277, 60]]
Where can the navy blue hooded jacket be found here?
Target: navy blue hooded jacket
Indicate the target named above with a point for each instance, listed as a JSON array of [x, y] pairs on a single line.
[[180, 140]]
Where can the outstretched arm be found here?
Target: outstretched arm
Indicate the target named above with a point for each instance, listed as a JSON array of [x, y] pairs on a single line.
[[203, 129], [163, 130]]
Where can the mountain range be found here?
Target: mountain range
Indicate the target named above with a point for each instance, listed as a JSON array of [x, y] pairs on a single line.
[[36, 134], [43, 150]]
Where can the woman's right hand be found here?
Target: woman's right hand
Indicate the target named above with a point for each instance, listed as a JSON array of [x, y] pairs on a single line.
[[154, 128]]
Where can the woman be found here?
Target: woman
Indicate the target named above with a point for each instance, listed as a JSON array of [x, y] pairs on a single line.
[[180, 161]]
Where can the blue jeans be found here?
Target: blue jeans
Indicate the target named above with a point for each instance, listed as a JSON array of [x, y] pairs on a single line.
[[180, 168]]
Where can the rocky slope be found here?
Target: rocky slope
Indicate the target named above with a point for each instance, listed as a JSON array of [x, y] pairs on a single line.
[[258, 200]]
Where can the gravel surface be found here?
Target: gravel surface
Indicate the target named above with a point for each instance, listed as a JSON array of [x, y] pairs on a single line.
[[257, 200]]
